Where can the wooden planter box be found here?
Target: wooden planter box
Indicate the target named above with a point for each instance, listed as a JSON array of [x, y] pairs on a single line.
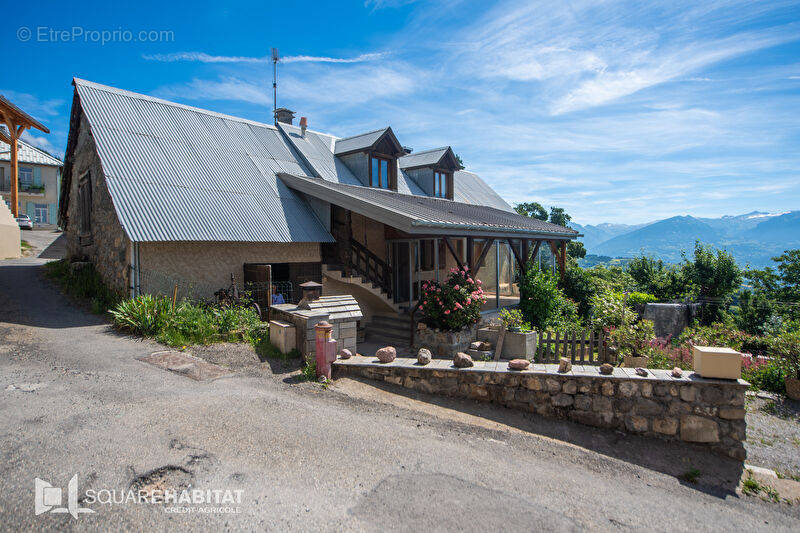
[[717, 362]]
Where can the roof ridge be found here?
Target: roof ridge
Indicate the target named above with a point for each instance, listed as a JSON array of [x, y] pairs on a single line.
[[362, 134], [125, 92], [427, 151]]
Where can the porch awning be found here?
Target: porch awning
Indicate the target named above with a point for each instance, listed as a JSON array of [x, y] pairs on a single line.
[[424, 215]]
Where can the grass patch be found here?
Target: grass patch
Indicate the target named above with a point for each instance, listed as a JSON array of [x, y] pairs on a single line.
[[187, 323], [82, 281], [691, 476], [25, 246], [266, 350], [752, 487]]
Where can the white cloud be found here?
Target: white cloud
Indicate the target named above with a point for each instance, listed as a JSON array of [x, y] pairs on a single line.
[[33, 105], [203, 57], [39, 142]]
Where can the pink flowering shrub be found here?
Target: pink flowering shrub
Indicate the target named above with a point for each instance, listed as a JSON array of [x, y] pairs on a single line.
[[453, 304]]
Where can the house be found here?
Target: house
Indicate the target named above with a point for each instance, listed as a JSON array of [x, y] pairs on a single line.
[[39, 181], [155, 192]]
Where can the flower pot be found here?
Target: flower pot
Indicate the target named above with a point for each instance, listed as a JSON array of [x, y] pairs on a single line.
[[793, 388], [519, 345], [717, 362], [635, 362]]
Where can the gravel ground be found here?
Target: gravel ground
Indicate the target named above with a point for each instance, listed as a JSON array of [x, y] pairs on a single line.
[[773, 434]]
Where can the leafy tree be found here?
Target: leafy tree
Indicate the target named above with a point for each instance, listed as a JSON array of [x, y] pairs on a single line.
[[460, 162], [559, 216], [781, 286], [576, 250], [579, 286], [653, 276], [713, 276], [756, 313], [532, 210]]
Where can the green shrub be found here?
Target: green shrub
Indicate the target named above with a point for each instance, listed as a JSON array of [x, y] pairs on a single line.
[[767, 376], [542, 303], [640, 298], [454, 304], [633, 339], [512, 320], [144, 315], [786, 347], [84, 283], [579, 286], [609, 311]]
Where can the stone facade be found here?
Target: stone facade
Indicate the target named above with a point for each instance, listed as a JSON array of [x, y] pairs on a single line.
[[691, 409], [444, 343], [107, 246], [344, 324]]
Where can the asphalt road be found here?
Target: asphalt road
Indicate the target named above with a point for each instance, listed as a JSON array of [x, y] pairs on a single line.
[[76, 401]]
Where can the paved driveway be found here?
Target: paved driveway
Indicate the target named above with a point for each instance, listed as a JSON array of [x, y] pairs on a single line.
[[74, 400]]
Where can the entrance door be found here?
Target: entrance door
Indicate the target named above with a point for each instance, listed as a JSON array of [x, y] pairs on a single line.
[[400, 263], [40, 213]]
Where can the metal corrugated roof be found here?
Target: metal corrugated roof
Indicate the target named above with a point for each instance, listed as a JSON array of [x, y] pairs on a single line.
[[28, 154], [426, 158], [317, 149], [358, 142], [424, 214], [179, 173], [469, 188]]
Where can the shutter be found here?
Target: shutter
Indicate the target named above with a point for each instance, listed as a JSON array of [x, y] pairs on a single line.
[[37, 176], [30, 210], [52, 216]]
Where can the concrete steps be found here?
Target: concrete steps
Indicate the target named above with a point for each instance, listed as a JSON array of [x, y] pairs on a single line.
[[389, 329], [336, 274]]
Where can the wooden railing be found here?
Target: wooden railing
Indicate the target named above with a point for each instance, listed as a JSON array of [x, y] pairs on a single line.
[[587, 347], [365, 263]]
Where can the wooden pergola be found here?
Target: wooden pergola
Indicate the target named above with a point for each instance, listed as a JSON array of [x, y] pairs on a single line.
[[17, 121]]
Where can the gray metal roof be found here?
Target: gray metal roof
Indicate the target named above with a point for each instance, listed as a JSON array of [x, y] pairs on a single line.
[[28, 154], [358, 142], [469, 188], [425, 215], [179, 173], [424, 159], [317, 149]]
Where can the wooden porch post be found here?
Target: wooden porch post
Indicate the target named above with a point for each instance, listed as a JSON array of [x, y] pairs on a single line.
[[17, 121], [559, 249]]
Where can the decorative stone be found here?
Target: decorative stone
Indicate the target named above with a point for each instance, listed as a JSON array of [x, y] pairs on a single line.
[[698, 429], [677, 372], [345, 354], [424, 356], [606, 369], [386, 354], [687, 394], [481, 346], [641, 372], [518, 364], [564, 365], [462, 360], [731, 414], [665, 426]]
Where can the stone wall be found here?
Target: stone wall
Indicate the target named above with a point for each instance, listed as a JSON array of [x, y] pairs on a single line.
[[108, 248], [344, 330], [669, 319], [701, 411]]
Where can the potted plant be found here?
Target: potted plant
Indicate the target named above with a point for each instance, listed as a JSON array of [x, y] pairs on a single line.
[[519, 340], [451, 310], [787, 347], [632, 342]]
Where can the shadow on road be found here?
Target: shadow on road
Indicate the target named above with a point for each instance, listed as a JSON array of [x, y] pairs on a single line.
[[27, 298], [56, 250], [716, 475]]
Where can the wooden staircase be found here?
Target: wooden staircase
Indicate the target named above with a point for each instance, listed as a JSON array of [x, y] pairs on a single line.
[[336, 273]]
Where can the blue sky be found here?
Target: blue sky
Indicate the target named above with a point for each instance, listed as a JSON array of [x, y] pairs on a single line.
[[618, 111]]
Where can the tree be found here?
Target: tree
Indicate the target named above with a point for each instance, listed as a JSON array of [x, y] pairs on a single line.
[[576, 250], [559, 216], [714, 276], [460, 162], [532, 210]]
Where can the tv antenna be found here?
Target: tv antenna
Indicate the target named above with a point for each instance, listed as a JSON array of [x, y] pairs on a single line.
[[275, 59]]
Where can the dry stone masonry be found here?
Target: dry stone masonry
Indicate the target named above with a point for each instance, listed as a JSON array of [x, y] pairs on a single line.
[[688, 408]]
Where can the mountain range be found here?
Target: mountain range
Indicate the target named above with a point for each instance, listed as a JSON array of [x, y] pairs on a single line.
[[753, 238]]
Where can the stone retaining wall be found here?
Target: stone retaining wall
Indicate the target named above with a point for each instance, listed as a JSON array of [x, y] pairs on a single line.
[[692, 409]]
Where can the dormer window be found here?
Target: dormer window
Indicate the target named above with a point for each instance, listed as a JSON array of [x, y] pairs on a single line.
[[379, 174], [440, 184]]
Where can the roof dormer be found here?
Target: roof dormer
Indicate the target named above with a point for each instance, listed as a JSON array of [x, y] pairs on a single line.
[[432, 170], [372, 157]]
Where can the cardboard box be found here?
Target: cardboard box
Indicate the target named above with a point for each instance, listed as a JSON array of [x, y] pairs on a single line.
[[717, 362]]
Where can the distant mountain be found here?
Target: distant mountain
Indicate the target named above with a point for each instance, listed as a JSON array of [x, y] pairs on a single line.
[[753, 238]]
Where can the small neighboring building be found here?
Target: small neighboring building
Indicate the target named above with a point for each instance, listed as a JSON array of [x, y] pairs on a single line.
[[39, 182], [156, 192]]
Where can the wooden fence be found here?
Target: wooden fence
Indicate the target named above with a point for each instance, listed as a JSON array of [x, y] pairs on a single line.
[[585, 348]]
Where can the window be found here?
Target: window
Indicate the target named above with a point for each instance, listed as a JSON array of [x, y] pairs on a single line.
[[379, 172], [440, 184], [85, 207], [25, 177], [3, 185], [40, 213]]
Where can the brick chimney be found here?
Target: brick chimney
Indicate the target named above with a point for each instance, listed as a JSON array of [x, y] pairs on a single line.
[[284, 115], [303, 125]]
